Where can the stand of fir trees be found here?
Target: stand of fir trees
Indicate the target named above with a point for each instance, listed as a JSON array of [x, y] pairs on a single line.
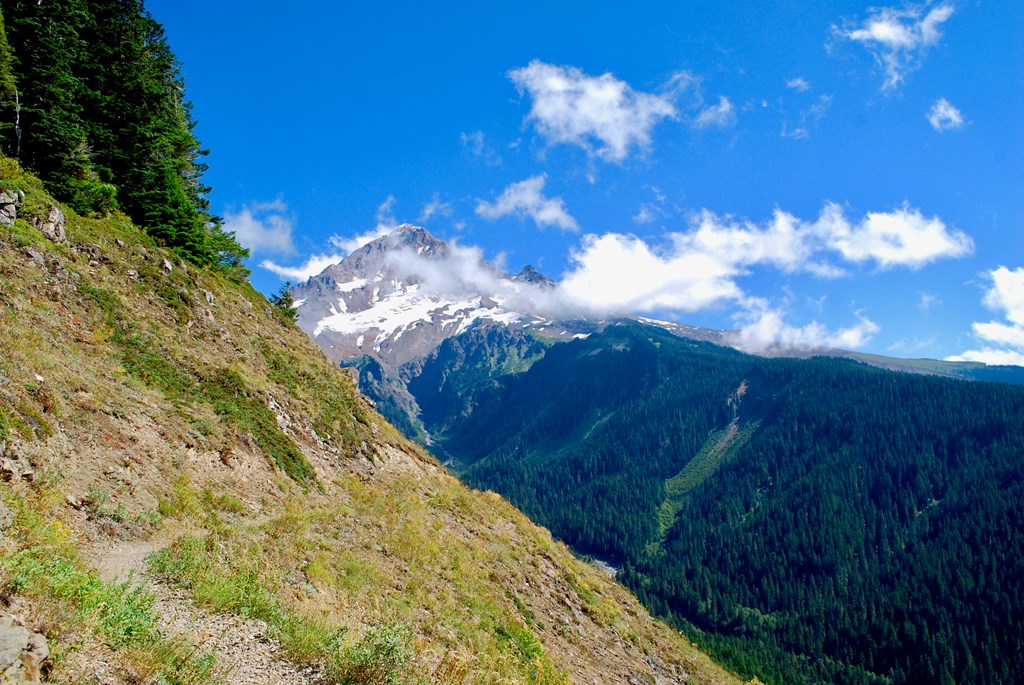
[[92, 101]]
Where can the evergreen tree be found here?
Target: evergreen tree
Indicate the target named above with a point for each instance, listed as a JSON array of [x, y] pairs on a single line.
[[105, 124], [284, 303]]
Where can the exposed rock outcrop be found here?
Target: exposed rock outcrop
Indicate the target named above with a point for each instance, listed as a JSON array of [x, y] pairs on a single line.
[[52, 224], [23, 652], [10, 204]]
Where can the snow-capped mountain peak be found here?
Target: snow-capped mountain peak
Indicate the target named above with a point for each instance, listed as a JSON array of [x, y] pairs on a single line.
[[398, 297]]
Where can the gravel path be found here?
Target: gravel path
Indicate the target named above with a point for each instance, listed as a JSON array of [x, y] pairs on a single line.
[[242, 646]]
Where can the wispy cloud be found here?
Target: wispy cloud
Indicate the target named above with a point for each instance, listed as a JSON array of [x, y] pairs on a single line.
[[646, 215], [1003, 341], [927, 301], [799, 84], [476, 144], [809, 118], [898, 38], [763, 329], [386, 222], [297, 274], [721, 115], [526, 199], [436, 207], [262, 227], [601, 114], [342, 247], [943, 116]]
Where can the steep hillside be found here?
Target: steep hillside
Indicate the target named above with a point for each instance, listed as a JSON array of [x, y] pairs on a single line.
[[155, 410]]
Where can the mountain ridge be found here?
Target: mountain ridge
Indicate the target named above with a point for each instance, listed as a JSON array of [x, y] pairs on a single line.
[[401, 297]]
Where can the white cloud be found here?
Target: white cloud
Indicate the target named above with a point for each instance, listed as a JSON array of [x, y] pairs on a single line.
[[797, 133], [386, 214], [386, 222], [476, 144], [943, 116], [898, 38], [344, 246], [463, 272], [1003, 340], [621, 274], [928, 301], [436, 207], [1006, 297], [297, 274], [601, 114], [262, 227], [526, 199], [1007, 293], [990, 355], [808, 118], [646, 215], [816, 112], [703, 267], [763, 329], [799, 84], [348, 244], [721, 115], [902, 237]]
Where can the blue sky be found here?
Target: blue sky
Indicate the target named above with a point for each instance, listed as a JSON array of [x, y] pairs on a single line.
[[807, 173]]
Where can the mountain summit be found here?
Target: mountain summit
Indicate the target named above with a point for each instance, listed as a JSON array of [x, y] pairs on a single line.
[[398, 297]]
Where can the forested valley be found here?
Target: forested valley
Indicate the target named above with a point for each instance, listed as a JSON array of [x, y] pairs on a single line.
[[807, 520]]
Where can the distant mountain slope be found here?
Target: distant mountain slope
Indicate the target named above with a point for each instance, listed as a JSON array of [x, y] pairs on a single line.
[[813, 520], [148, 405], [399, 298]]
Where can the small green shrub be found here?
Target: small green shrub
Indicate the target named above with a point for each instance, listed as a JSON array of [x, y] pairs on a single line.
[[154, 369], [107, 301], [33, 419], [11, 420], [382, 657], [176, 298], [183, 500], [234, 403]]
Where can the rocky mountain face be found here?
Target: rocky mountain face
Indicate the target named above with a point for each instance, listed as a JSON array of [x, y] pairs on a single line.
[[389, 307], [398, 297]]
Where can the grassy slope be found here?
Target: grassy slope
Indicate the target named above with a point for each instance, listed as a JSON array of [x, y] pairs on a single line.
[[176, 400]]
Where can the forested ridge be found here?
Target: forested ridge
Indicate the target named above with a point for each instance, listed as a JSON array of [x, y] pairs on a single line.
[[866, 527], [92, 101]]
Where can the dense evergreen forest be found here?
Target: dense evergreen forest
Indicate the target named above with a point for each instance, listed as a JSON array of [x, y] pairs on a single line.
[[92, 101], [806, 520]]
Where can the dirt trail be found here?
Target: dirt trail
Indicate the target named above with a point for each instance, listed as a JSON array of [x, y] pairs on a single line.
[[243, 648]]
